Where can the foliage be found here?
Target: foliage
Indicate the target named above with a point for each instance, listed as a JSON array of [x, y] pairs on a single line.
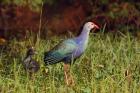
[[109, 65], [34, 4]]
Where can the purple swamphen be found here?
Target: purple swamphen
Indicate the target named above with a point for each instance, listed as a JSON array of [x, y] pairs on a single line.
[[69, 50]]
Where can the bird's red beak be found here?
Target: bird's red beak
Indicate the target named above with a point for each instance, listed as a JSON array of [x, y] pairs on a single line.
[[96, 26]]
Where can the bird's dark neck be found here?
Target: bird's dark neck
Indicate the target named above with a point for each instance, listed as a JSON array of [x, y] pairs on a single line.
[[28, 58]]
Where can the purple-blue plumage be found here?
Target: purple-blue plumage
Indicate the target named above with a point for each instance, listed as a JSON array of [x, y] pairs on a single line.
[[71, 48]]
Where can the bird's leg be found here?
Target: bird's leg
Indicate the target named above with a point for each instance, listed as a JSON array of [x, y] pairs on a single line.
[[30, 75], [66, 71], [68, 77]]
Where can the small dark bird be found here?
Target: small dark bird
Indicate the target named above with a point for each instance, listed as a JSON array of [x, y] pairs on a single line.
[[69, 49], [31, 66]]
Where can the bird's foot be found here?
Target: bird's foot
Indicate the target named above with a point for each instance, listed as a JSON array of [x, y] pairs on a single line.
[[69, 80]]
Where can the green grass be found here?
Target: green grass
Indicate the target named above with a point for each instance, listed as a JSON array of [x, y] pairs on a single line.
[[111, 64]]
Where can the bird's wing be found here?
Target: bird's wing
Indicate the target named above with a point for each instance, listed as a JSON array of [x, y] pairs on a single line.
[[60, 51]]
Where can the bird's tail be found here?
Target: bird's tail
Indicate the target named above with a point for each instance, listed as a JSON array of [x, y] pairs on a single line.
[[50, 59]]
